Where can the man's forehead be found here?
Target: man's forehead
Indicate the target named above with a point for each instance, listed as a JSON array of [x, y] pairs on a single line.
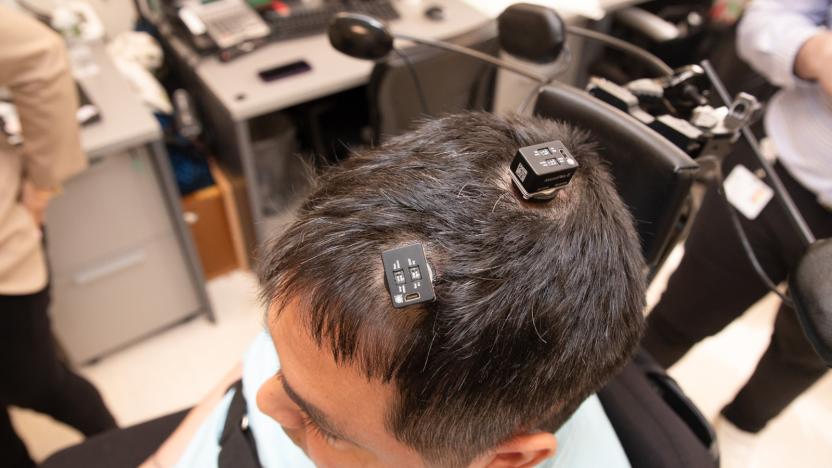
[[340, 392], [272, 314], [290, 337]]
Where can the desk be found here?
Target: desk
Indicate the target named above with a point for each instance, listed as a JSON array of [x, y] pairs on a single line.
[[232, 95], [243, 95], [122, 261]]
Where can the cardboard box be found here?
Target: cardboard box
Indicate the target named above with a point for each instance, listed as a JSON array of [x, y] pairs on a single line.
[[212, 215]]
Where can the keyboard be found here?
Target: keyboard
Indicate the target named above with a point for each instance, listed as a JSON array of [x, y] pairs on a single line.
[[302, 21]]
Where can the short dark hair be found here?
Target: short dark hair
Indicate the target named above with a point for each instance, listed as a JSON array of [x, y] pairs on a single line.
[[537, 305]]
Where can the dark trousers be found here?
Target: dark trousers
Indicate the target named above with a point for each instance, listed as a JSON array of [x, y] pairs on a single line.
[[715, 283], [120, 448], [32, 376]]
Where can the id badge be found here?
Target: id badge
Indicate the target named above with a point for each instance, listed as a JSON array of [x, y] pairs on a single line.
[[747, 192]]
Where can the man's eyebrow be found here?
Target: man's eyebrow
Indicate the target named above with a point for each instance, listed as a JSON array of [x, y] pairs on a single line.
[[316, 415]]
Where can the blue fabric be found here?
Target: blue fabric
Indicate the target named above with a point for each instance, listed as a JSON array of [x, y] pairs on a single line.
[[190, 168], [586, 440], [274, 447], [204, 448], [799, 116]]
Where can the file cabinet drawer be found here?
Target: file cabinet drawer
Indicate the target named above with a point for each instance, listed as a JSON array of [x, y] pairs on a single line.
[[116, 203], [111, 302]]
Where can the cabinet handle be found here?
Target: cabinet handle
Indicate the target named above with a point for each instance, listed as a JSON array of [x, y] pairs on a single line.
[[120, 264]]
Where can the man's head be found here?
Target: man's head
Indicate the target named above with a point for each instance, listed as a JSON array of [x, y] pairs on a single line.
[[537, 304]]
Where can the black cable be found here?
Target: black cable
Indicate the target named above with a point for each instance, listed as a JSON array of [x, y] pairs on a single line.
[[528, 100], [735, 221], [656, 63], [563, 63], [792, 213], [473, 53], [418, 84]]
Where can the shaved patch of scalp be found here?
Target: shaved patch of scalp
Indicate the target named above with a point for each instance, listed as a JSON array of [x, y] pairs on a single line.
[[537, 305]]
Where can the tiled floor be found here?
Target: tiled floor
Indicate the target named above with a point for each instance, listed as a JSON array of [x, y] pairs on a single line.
[[165, 373], [173, 369], [716, 368]]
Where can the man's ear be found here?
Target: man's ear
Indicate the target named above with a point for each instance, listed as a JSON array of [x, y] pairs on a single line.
[[523, 450]]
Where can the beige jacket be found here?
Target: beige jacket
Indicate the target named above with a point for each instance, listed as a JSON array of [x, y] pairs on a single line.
[[35, 69]]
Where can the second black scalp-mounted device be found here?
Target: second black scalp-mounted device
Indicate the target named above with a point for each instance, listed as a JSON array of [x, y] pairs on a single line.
[[408, 275], [538, 171]]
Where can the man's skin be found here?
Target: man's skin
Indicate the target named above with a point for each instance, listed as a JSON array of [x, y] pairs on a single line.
[[345, 404], [35, 201], [814, 61], [351, 410]]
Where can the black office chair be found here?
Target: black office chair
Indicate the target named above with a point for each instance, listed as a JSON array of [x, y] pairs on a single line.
[[452, 83], [656, 423], [652, 175]]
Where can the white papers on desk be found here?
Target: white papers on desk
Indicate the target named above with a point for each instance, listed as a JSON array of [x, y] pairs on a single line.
[[82, 62], [566, 8]]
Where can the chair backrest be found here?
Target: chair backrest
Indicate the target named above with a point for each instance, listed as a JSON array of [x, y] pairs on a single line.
[[652, 175], [451, 82], [657, 425]]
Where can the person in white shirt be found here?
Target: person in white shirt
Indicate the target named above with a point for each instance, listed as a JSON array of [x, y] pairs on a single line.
[[789, 42]]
